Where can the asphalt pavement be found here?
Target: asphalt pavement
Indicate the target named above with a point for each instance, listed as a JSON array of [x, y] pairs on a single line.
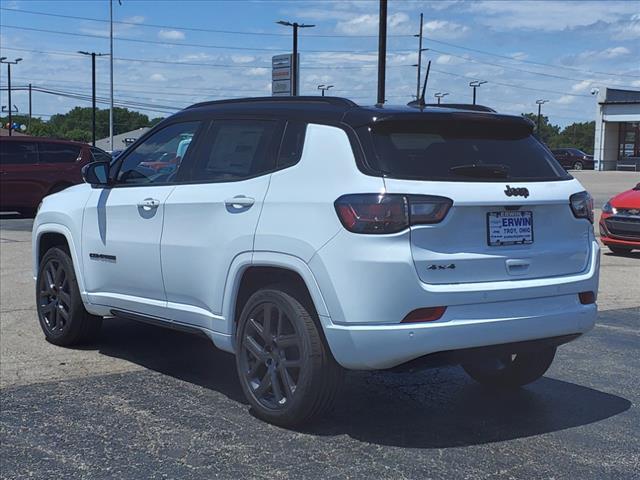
[[145, 402]]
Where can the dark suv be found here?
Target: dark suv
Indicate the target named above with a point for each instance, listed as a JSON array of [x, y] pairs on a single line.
[[32, 168], [573, 159]]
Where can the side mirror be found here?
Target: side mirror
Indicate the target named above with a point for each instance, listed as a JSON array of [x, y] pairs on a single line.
[[96, 174]]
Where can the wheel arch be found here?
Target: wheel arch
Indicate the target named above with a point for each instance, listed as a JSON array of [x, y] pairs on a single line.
[[249, 273], [51, 235]]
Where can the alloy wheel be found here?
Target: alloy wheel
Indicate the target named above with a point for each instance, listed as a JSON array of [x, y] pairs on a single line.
[[271, 356], [55, 297]]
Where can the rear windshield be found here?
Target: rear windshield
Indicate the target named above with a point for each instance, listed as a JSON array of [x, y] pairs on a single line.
[[466, 151]]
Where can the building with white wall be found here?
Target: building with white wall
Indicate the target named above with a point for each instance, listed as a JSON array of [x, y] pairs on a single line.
[[617, 136]]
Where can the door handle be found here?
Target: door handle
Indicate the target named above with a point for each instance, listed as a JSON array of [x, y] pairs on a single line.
[[149, 203], [517, 266], [240, 201]]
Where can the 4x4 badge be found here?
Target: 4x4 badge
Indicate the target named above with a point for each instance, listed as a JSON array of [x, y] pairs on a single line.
[[516, 192]]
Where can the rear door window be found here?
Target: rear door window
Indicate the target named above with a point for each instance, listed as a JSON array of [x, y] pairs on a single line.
[[454, 150], [237, 149], [18, 153], [58, 152]]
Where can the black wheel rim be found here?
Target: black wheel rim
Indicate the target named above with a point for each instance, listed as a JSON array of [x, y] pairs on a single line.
[[271, 356], [54, 297]]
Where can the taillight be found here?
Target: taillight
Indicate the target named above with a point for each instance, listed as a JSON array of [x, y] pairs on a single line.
[[582, 205], [430, 314], [389, 213]]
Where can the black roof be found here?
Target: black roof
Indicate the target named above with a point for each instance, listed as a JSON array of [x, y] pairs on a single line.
[[342, 110]]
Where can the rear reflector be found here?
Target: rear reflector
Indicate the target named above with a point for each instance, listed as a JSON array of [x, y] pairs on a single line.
[[587, 298], [424, 315]]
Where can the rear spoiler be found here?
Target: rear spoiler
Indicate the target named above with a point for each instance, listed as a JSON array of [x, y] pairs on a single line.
[[453, 106]]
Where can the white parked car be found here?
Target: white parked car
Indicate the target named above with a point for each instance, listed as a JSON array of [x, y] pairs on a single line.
[[310, 235]]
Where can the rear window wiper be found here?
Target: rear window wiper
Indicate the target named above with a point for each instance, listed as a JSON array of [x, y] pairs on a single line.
[[483, 170]]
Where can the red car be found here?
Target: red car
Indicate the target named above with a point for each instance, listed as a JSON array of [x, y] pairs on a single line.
[[32, 168], [620, 222]]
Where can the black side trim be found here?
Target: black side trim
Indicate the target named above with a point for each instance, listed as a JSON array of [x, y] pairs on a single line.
[[157, 321], [456, 357]]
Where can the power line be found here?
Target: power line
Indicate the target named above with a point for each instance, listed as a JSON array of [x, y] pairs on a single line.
[[195, 29], [484, 52], [566, 67], [184, 44]]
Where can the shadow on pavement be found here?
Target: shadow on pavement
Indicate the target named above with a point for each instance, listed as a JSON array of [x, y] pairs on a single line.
[[432, 409]]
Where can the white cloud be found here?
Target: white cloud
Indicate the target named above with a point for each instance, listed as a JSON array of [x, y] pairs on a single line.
[[581, 86], [171, 35], [448, 60], [549, 15], [444, 29], [256, 71], [566, 99], [628, 30], [243, 58], [367, 24], [134, 19], [596, 55], [157, 77]]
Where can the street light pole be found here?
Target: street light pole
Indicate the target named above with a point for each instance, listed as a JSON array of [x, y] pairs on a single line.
[[15, 62], [540, 103], [382, 51], [93, 92], [475, 84], [323, 88], [295, 68], [420, 50], [440, 95], [111, 74]]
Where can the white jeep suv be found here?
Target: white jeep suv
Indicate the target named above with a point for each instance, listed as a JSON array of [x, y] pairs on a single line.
[[309, 235]]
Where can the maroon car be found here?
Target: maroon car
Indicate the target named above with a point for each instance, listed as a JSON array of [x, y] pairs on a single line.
[[32, 168]]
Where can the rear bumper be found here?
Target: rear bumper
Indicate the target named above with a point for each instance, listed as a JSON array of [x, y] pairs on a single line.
[[367, 347]]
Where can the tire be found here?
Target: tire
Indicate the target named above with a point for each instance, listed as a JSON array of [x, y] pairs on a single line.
[[57, 296], [511, 371], [286, 371], [620, 250], [577, 165]]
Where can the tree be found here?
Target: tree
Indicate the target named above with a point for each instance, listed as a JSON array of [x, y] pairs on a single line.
[[547, 131], [77, 123], [578, 135]]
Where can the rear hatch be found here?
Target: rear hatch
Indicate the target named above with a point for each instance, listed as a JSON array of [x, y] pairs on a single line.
[[511, 217]]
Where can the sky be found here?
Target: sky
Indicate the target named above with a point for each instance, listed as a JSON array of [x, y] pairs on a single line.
[[170, 54]]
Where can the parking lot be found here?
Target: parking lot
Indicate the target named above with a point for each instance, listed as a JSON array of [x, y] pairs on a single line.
[[152, 403]]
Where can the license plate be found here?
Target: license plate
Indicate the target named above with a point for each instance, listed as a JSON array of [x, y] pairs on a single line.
[[510, 228]]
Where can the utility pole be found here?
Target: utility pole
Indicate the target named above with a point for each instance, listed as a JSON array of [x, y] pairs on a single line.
[[30, 110], [295, 68], [419, 65], [9, 63], [440, 96], [475, 84], [540, 103], [324, 88], [93, 92], [382, 51], [111, 72]]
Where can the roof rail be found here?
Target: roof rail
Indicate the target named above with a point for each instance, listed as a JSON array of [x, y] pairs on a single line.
[[337, 101], [454, 106]]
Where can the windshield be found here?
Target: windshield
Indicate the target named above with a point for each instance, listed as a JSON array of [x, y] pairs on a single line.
[[454, 150]]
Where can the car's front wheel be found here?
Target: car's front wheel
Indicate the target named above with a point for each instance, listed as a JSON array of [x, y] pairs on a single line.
[[511, 371], [577, 165], [61, 313], [286, 371]]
